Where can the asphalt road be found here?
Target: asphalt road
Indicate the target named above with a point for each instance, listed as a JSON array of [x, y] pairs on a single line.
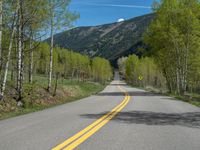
[[141, 121]]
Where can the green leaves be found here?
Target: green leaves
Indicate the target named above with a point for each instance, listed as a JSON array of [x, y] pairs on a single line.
[[70, 64], [101, 70], [59, 12], [173, 37], [143, 72]]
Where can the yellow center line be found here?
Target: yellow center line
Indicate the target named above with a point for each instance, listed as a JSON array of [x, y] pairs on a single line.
[[95, 129], [68, 141], [84, 134]]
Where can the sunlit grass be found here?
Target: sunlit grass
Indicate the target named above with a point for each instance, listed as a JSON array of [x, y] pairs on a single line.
[[68, 91]]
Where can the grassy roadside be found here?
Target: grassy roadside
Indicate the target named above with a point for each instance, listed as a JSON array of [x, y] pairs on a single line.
[[40, 99], [192, 98]]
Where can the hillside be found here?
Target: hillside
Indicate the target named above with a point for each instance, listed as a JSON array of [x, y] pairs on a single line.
[[110, 41]]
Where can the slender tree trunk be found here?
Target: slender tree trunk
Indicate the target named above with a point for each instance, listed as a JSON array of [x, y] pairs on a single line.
[[186, 65], [72, 74], [1, 30], [20, 51], [8, 60], [185, 73], [166, 75], [78, 75], [177, 82], [9, 55], [16, 56], [51, 53], [31, 61], [12, 70], [56, 85]]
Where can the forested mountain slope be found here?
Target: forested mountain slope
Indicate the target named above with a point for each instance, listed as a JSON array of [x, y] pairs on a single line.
[[110, 41]]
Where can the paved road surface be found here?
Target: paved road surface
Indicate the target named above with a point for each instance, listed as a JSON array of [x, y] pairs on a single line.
[[146, 122]]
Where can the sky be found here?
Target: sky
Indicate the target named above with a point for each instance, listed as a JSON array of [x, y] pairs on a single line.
[[97, 12]]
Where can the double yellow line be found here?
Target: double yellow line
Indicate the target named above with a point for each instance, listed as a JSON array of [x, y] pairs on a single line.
[[84, 134]]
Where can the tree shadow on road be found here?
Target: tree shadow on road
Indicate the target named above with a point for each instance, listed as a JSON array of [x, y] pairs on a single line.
[[189, 119]]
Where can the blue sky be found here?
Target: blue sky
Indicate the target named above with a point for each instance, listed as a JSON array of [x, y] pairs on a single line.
[[96, 12]]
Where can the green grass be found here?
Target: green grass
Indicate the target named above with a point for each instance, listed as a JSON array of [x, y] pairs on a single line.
[[40, 99], [192, 98]]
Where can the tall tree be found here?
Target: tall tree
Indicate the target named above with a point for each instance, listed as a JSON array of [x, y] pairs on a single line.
[[37, 15], [60, 17], [20, 43], [13, 28], [173, 35], [1, 30]]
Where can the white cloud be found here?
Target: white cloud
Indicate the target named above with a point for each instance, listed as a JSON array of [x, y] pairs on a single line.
[[121, 20]]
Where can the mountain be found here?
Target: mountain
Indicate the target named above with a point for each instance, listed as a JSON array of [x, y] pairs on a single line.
[[110, 41]]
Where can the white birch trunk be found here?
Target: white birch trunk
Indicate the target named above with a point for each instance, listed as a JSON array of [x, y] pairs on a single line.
[[51, 52], [1, 28], [31, 62], [8, 61], [20, 47]]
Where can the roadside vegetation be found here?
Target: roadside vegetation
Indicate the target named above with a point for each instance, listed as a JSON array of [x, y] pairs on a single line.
[[172, 62], [36, 97], [35, 75]]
